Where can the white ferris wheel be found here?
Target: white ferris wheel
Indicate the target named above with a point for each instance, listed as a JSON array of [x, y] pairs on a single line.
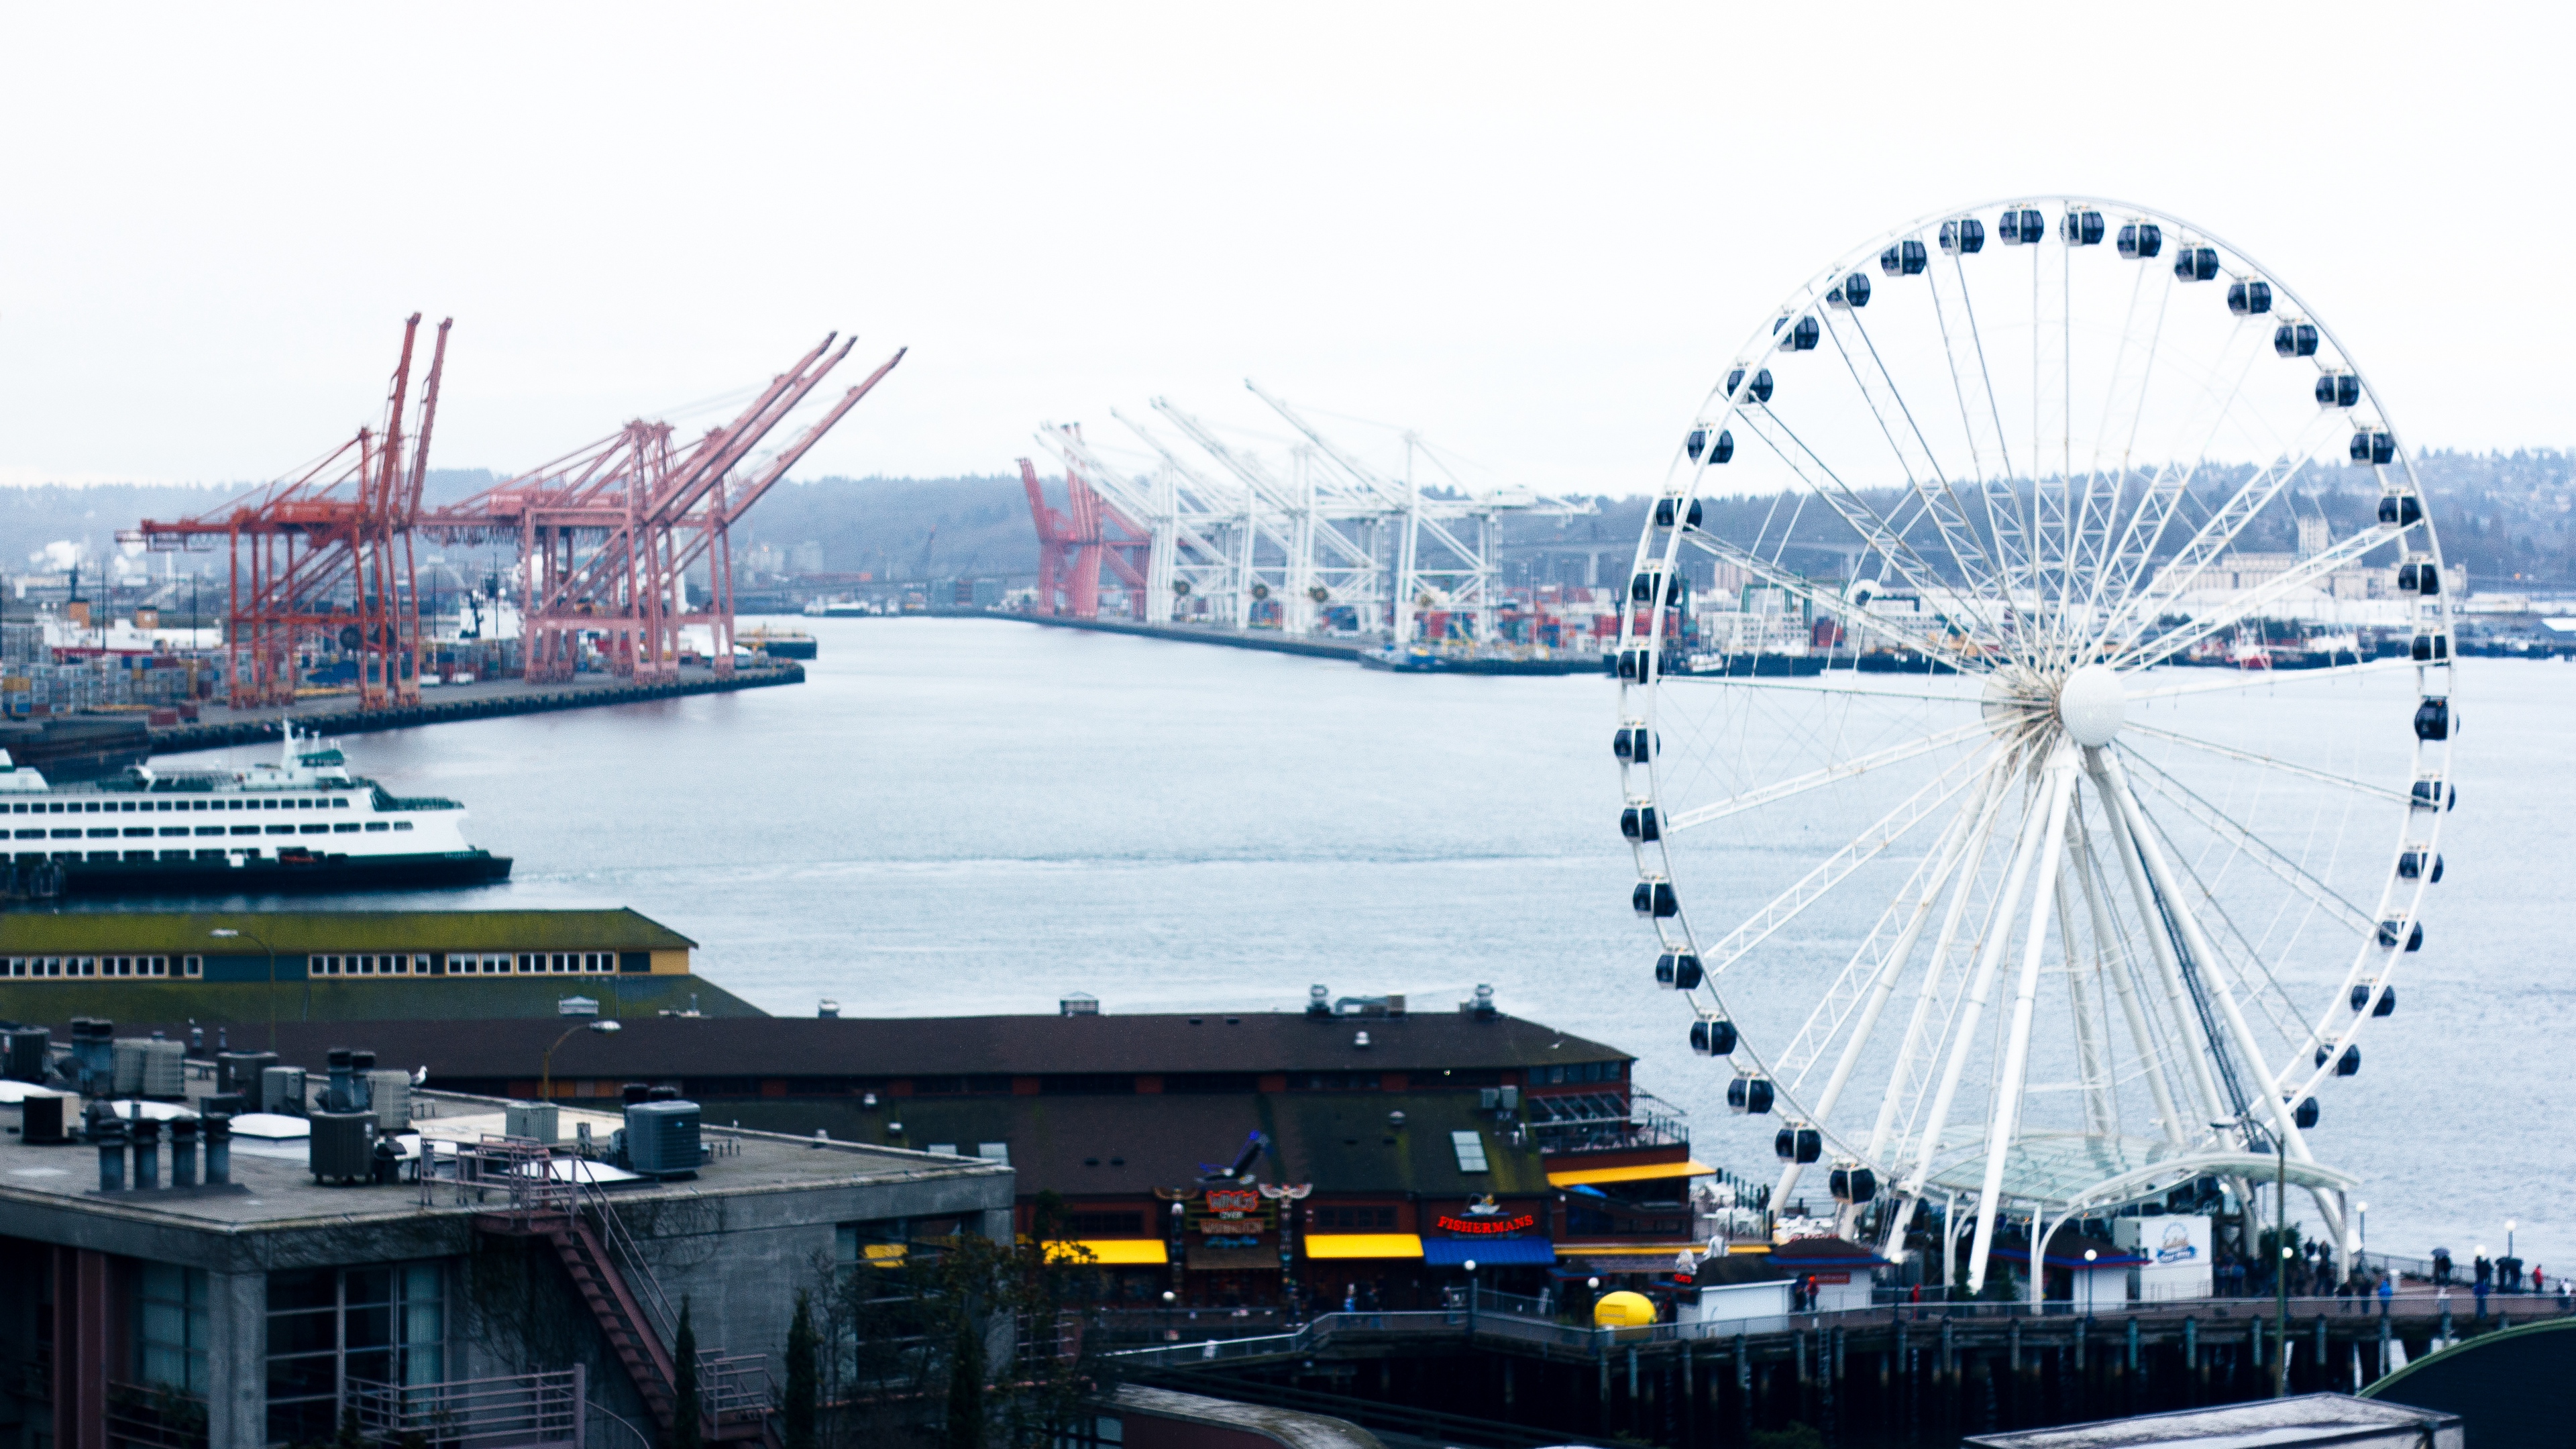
[[2035, 721]]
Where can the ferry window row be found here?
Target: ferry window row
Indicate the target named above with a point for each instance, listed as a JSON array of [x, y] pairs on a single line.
[[128, 807], [146, 832], [216, 856], [58, 966]]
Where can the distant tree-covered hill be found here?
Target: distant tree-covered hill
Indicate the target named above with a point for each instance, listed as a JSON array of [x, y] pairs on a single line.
[[2510, 517]]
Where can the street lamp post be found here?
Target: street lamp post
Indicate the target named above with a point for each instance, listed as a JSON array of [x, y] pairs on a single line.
[[1471, 1302], [546, 1074], [229, 932], [2281, 1267]]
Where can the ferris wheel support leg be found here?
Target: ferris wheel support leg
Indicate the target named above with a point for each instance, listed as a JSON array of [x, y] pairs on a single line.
[[1989, 960], [2213, 1107], [2093, 1068], [2007, 1119], [2230, 1013], [2088, 870], [1962, 891]]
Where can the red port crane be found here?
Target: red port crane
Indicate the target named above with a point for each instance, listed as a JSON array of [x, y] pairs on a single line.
[[326, 554], [1074, 543], [606, 534]]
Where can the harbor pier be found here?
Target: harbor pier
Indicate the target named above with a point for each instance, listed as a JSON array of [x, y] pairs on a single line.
[[1500, 1375]]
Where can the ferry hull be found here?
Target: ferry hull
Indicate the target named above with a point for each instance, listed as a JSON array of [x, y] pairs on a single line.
[[310, 873]]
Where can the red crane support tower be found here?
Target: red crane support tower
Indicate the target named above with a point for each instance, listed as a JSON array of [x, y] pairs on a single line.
[[326, 554], [606, 534], [1074, 543]]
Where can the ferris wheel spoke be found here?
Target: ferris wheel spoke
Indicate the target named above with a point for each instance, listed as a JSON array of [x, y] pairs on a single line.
[[2269, 762], [1934, 645], [2116, 438], [1923, 472], [1831, 774], [2242, 679], [1881, 956], [2251, 602], [2136, 613], [1864, 521], [2289, 871], [2269, 999], [1817, 883], [1981, 415]]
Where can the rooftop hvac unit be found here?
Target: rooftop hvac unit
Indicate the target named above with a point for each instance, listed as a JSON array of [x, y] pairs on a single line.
[[576, 1006], [29, 1052], [240, 1071], [42, 1123], [534, 1121], [662, 1139], [390, 1094], [281, 1090], [125, 1077], [343, 1146], [165, 1069]]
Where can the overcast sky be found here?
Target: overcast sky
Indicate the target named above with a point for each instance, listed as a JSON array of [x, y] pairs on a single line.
[[1532, 233]]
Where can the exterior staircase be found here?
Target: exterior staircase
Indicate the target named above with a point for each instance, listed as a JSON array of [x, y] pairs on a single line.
[[620, 1318], [608, 1270]]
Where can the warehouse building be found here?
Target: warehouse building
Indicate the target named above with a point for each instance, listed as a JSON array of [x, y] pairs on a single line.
[[214, 967], [1358, 1151]]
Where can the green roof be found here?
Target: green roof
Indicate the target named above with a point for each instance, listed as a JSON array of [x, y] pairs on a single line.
[[296, 933]]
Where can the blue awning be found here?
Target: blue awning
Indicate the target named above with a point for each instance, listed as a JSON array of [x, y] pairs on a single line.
[[1500, 1252]]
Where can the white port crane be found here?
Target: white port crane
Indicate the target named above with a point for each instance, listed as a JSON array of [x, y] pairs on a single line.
[[1455, 570], [1332, 532]]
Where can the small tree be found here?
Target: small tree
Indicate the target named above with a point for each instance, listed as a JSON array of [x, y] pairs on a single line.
[[965, 1429], [685, 1428], [802, 1391]]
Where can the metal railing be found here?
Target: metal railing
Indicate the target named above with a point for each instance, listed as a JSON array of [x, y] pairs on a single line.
[[155, 1416], [512, 1410], [1493, 1317], [733, 1386]]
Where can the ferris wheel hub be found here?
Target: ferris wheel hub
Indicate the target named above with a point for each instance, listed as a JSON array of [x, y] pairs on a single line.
[[2091, 705]]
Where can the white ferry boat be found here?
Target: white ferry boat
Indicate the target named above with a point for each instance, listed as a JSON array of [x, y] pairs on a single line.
[[302, 823]]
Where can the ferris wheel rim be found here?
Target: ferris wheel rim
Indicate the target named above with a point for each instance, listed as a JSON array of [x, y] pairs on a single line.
[[1763, 348]]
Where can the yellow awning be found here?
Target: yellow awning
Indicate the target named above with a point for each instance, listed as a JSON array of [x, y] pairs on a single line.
[[1115, 1252], [1363, 1245], [1644, 1172]]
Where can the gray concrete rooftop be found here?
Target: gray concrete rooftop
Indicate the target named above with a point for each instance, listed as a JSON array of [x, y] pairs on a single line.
[[273, 1188]]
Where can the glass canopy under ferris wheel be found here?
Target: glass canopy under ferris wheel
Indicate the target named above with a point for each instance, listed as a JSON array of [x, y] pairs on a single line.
[[2035, 721]]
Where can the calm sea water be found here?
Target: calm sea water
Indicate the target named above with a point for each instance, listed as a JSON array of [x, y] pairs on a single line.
[[970, 816]]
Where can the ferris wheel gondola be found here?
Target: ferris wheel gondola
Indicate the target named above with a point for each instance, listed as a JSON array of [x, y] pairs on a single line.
[[2035, 722]]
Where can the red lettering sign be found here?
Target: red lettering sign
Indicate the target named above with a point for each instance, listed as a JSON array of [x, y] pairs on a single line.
[[1228, 1201], [1487, 1226]]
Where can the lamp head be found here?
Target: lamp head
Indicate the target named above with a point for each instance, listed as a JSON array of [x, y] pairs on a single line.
[[223, 931], [607, 1026]]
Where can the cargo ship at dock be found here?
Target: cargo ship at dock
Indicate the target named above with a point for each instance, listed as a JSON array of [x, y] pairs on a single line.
[[301, 823]]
